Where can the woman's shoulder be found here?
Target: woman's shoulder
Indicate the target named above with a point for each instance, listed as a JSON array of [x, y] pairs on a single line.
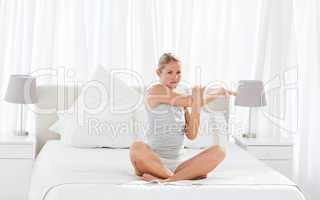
[[157, 89], [153, 94]]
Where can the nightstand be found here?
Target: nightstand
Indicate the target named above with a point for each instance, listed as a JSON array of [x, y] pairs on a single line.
[[17, 154], [275, 152]]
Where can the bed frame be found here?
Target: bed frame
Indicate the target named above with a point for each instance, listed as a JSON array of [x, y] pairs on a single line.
[[55, 98]]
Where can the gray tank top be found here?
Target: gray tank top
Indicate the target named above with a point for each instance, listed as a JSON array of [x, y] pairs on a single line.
[[165, 134]]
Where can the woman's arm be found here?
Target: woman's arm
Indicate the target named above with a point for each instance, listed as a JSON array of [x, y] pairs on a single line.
[[212, 94], [159, 94], [193, 119], [187, 117]]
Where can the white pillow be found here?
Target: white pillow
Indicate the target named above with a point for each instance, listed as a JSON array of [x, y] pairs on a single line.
[[102, 115]]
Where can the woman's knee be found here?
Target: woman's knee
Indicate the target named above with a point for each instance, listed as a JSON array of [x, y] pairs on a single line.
[[138, 149], [218, 153], [138, 146]]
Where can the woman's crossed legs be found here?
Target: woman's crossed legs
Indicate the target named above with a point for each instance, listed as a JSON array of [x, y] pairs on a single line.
[[148, 164]]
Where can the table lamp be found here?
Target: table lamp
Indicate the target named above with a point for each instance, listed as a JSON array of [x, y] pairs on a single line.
[[250, 94], [21, 90]]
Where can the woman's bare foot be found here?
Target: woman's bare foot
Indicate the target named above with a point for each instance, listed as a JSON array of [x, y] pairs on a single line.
[[200, 177], [170, 180], [149, 177]]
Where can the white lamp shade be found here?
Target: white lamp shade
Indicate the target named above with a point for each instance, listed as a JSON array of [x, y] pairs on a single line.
[[21, 89], [250, 94]]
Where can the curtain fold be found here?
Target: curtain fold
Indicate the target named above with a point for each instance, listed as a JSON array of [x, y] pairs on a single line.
[[307, 23]]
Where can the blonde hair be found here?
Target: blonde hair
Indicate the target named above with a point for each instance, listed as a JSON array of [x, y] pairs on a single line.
[[165, 59]]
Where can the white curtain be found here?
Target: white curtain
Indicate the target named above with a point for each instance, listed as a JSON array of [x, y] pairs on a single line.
[[275, 63], [224, 40], [16, 37], [308, 40], [212, 38]]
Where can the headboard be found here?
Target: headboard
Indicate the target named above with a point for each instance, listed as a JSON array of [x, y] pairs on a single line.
[[51, 99], [54, 98]]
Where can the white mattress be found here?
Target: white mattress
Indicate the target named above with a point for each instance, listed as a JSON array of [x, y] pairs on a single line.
[[64, 173]]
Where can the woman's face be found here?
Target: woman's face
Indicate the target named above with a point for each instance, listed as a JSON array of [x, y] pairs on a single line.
[[170, 74]]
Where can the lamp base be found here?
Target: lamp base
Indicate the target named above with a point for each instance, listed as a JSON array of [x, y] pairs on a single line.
[[21, 133], [249, 135]]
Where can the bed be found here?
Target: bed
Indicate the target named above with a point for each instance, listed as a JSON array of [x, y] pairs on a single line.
[[62, 172]]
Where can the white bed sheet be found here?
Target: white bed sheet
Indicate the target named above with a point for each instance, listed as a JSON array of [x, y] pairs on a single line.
[[63, 173]]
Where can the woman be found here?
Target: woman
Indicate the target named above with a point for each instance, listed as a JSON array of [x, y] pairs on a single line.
[[169, 121]]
